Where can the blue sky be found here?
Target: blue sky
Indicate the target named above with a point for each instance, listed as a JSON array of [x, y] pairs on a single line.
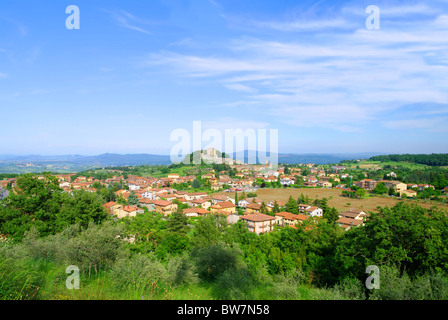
[[137, 70]]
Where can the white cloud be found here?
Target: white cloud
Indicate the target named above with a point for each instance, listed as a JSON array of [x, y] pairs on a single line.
[[342, 81], [127, 20], [240, 87], [393, 11], [434, 125], [302, 25]]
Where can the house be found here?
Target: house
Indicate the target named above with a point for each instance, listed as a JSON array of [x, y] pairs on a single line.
[[208, 176], [314, 211], [367, 184], [164, 207], [396, 185], [353, 214], [148, 203], [64, 184], [225, 206], [232, 217], [302, 207], [392, 174], [217, 199], [280, 204], [205, 204], [169, 197], [324, 184], [133, 187], [408, 193], [108, 206], [286, 181], [195, 195], [128, 211], [195, 212], [347, 223], [270, 179], [259, 223], [243, 203], [173, 176], [285, 219], [253, 208], [424, 186], [310, 184]]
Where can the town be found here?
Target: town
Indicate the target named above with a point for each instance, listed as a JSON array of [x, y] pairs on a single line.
[[235, 196]]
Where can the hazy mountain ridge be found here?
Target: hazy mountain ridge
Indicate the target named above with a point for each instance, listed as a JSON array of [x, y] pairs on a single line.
[[73, 163]]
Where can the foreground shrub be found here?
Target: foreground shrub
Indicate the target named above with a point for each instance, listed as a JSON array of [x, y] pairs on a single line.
[[234, 283], [181, 270], [19, 280], [139, 275], [213, 260]]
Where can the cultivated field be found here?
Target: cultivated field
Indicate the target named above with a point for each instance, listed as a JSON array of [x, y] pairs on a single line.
[[336, 200]]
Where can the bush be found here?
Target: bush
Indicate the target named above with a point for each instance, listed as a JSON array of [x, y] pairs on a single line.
[[181, 270], [351, 288], [213, 260], [96, 246], [138, 275], [284, 286], [392, 285], [19, 280], [234, 283]]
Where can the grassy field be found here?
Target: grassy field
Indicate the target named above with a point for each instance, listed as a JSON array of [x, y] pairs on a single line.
[[336, 200], [378, 164]]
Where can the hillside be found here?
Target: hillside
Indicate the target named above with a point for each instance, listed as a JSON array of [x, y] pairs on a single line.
[[76, 163]]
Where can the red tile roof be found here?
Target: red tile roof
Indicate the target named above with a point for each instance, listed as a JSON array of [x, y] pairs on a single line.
[[258, 217]]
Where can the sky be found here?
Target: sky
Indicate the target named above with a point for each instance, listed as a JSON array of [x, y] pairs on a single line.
[[135, 71]]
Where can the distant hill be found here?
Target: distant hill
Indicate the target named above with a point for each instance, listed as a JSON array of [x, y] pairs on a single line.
[[317, 158], [76, 163]]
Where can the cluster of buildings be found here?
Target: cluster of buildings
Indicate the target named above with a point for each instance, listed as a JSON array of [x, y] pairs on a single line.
[[201, 204], [159, 195], [409, 189]]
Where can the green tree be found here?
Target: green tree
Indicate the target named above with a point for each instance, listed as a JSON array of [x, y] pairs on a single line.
[[360, 193], [292, 206], [214, 260], [391, 191], [178, 223], [380, 188], [196, 184], [275, 208], [209, 230], [264, 208], [42, 204], [132, 199]]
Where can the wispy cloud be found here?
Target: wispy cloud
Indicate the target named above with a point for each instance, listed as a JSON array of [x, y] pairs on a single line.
[[394, 11], [127, 20], [301, 25], [342, 81], [21, 28]]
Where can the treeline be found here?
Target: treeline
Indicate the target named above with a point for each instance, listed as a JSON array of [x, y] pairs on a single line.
[[427, 159]]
